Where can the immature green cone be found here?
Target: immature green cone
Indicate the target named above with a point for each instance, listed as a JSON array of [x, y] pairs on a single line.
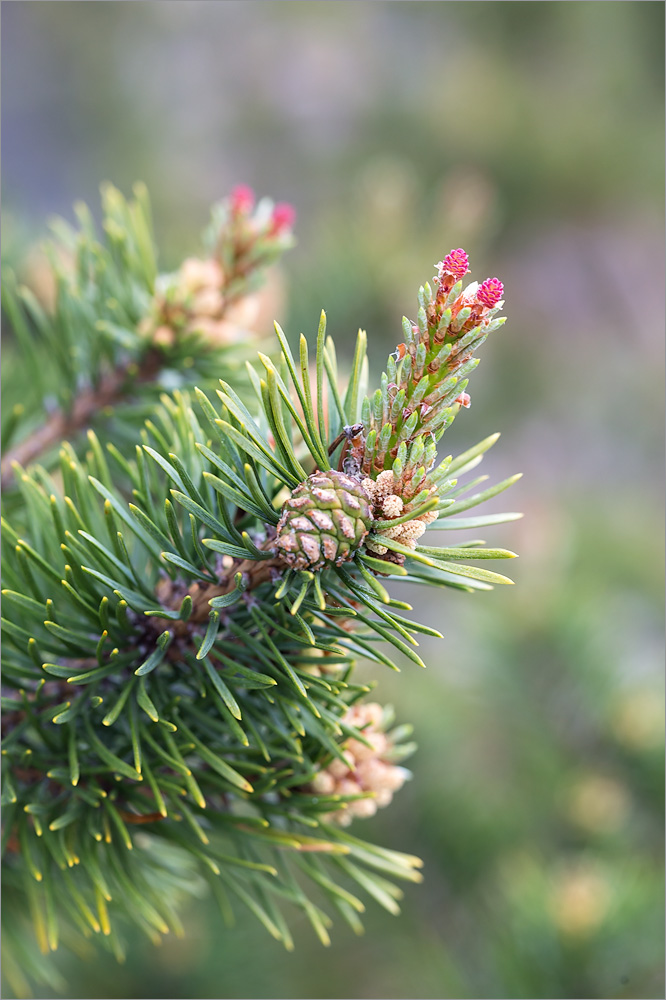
[[324, 521]]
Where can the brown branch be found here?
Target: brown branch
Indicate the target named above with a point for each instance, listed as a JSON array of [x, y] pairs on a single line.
[[139, 818], [60, 426], [255, 572], [170, 593]]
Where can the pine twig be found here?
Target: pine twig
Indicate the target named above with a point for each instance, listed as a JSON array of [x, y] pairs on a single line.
[[61, 426]]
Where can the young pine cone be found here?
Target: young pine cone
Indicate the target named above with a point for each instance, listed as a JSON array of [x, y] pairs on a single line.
[[324, 521]]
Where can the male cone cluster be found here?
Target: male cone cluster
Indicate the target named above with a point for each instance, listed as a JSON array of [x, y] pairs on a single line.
[[365, 769], [387, 505]]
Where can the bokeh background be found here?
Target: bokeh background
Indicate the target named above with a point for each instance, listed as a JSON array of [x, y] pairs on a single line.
[[530, 133]]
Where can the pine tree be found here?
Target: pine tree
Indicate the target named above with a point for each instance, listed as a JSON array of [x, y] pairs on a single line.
[[191, 574]]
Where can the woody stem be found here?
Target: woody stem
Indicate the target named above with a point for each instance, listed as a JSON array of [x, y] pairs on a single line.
[[60, 425]]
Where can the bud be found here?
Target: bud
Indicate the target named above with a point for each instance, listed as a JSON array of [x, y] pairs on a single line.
[[283, 218], [490, 292], [455, 264], [241, 200]]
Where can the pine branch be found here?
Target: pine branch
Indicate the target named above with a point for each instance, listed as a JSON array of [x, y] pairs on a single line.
[[179, 704]]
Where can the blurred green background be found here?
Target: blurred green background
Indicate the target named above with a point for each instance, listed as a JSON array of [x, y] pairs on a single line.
[[532, 134]]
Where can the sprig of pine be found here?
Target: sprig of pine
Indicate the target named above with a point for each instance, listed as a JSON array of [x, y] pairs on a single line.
[[183, 623]]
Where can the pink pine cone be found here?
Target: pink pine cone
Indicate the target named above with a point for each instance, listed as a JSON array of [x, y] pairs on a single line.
[[490, 292], [283, 218], [242, 199], [455, 263]]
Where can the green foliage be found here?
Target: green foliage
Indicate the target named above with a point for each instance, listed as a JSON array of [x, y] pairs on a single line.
[[118, 333], [174, 686]]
